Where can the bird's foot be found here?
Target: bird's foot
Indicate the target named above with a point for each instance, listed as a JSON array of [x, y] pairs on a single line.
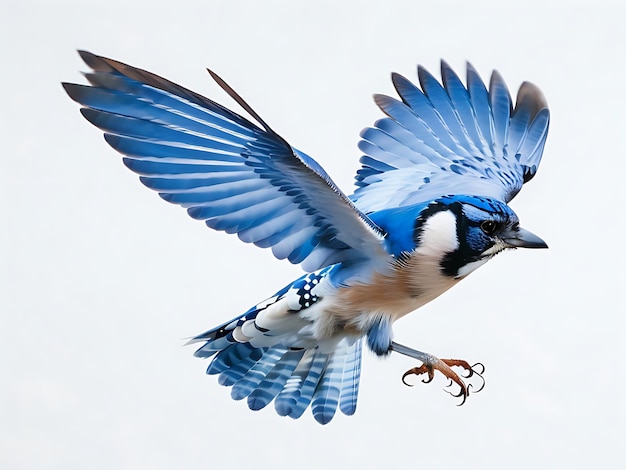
[[445, 367], [431, 363]]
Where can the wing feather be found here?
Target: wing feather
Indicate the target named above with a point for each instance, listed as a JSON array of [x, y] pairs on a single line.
[[237, 176], [448, 137]]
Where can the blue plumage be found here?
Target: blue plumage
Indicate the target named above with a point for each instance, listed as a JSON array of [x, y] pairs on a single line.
[[350, 380], [429, 208]]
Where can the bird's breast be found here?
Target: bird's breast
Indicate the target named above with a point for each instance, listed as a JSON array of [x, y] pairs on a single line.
[[405, 286]]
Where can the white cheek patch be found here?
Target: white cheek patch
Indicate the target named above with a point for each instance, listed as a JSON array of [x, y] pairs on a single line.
[[470, 267], [438, 235], [487, 255], [495, 249]]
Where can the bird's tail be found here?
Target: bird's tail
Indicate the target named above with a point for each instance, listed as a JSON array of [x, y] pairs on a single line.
[[323, 377]]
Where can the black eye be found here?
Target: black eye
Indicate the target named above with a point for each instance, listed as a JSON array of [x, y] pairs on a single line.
[[489, 227]]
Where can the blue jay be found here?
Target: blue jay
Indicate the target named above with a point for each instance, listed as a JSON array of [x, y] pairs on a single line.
[[429, 208]]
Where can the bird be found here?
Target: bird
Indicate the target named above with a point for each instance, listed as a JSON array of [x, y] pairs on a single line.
[[430, 206]]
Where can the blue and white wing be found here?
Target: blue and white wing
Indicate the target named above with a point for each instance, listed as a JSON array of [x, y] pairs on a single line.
[[225, 170], [450, 138]]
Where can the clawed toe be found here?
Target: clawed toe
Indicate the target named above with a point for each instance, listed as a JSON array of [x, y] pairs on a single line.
[[423, 369], [445, 367], [431, 363]]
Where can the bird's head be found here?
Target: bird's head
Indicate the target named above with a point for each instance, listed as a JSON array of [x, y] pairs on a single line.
[[466, 231]]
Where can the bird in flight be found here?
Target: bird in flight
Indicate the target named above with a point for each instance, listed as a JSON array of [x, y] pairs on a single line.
[[430, 206]]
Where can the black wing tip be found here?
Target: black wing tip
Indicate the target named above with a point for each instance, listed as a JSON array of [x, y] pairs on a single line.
[[95, 62], [241, 102], [530, 95], [496, 77], [76, 91], [91, 115], [471, 74], [69, 89], [424, 74], [401, 84], [86, 55], [444, 66], [112, 139], [398, 80], [215, 76], [383, 101], [447, 70]]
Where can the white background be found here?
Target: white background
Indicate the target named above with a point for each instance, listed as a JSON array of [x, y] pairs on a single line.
[[101, 281]]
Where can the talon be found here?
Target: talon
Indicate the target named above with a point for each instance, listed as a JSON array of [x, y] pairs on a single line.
[[418, 371], [479, 374], [445, 367], [482, 368], [463, 392]]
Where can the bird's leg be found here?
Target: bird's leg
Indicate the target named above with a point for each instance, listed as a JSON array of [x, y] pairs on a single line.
[[431, 363]]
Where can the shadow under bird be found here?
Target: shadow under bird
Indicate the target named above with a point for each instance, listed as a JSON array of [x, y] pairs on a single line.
[[430, 207]]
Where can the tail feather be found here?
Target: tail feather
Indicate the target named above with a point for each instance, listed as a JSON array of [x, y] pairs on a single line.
[[275, 380], [271, 353], [234, 365], [326, 396], [289, 395], [231, 356], [213, 346], [351, 378], [324, 379], [309, 385], [231, 376], [246, 385]]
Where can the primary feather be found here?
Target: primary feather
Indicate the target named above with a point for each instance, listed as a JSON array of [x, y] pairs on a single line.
[[222, 168], [445, 137]]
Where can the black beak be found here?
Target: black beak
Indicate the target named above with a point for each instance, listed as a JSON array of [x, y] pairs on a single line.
[[521, 238]]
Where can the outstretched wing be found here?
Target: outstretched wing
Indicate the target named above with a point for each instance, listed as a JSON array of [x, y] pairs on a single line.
[[450, 139], [236, 176]]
